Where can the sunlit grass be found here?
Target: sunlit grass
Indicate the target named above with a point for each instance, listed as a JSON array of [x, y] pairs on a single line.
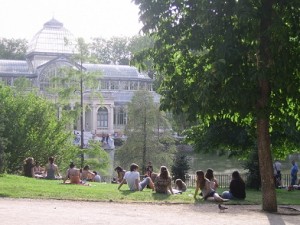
[[22, 187]]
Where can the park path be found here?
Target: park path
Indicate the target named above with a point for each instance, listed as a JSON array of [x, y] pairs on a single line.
[[61, 212]]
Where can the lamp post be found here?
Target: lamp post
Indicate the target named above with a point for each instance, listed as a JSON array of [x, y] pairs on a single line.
[[81, 117], [81, 120]]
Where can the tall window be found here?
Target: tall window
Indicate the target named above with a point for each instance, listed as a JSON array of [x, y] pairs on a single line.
[[102, 117], [120, 116]]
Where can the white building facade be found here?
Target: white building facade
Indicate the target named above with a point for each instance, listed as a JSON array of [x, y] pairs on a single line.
[[51, 49]]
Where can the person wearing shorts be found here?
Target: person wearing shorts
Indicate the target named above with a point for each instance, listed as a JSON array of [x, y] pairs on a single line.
[[132, 178]]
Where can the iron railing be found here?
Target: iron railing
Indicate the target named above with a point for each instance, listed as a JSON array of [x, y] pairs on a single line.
[[223, 179]]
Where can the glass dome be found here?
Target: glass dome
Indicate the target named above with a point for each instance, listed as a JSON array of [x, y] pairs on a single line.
[[53, 38]]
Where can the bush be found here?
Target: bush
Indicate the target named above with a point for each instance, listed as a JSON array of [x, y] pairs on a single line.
[[180, 167], [253, 175]]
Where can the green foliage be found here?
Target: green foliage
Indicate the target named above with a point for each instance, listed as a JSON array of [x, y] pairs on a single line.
[[31, 129], [208, 60], [148, 134], [180, 166], [118, 142], [251, 164], [3, 141], [74, 79], [111, 51], [221, 136], [23, 187], [13, 48], [229, 59], [97, 157]]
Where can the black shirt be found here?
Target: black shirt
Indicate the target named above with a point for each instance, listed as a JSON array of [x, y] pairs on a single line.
[[237, 189]]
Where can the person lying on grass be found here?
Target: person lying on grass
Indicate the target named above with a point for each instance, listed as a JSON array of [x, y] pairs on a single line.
[[132, 178]]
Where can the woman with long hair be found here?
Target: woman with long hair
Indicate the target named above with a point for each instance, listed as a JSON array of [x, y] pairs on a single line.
[[213, 181], [203, 184], [180, 185], [120, 174], [87, 174], [28, 167], [163, 181], [51, 169], [237, 188]]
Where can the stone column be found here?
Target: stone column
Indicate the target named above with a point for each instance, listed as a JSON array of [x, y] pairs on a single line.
[[94, 119], [111, 119]]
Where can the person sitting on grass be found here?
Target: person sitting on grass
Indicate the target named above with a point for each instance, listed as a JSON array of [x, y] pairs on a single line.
[[51, 169], [213, 181], [38, 170], [180, 185], [28, 167], [120, 174], [132, 178], [163, 181], [86, 174], [97, 177], [73, 175], [203, 184], [237, 188]]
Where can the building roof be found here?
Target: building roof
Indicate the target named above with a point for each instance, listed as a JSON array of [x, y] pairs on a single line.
[[14, 68], [52, 38], [55, 43], [115, 71]]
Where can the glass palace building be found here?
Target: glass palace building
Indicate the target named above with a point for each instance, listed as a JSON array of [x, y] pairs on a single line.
[[48, 52]]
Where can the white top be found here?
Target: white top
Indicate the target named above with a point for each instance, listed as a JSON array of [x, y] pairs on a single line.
[[131, 177], [277, 167], [97, 178]]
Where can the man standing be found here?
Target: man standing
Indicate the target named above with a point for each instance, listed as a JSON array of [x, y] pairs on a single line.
[[133, 179], [294, 171], [277, 173]]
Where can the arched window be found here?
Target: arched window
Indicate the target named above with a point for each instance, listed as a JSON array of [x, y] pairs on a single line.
[[102, 117]]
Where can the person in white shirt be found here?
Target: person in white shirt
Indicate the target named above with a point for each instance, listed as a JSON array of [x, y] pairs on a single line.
[[277, 173], [132, 178], [97, 177]]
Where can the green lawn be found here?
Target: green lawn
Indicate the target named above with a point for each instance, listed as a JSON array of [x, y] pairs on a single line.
[[22, 187]]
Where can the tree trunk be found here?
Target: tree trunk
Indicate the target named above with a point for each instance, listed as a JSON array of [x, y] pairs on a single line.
[[269, 202], [145, 142], [265, 62]]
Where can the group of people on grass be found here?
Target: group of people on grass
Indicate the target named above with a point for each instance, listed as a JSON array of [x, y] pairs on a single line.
[[206, 183], [161, 184], [50, 171], [278, 176], [33, 169]]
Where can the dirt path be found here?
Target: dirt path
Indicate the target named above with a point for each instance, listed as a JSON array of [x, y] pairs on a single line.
[[33, 212]]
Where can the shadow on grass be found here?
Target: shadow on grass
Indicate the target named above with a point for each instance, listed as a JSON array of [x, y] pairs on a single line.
[[159, 196], [4, 195], [126, 192]]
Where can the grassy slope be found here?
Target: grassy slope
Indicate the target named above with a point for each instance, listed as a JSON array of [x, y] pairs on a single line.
[[22, 187]]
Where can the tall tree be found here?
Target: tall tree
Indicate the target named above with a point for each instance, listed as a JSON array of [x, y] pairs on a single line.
[[111, 51], [3, 141], [31, 129], [229, 59], [13, 48], [148, 134], [74, 82]]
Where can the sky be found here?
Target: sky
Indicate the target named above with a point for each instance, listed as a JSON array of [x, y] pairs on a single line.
[[83, 18]]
